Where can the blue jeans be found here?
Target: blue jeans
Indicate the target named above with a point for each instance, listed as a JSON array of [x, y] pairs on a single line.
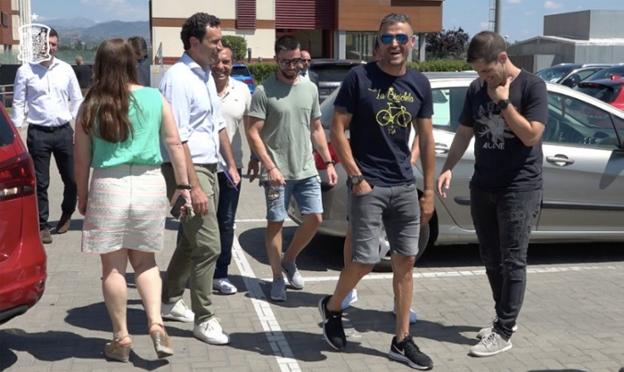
[[503, 223], [226, 214], [307, 194]]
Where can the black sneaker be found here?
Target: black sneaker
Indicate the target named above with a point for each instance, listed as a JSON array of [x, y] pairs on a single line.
[[332, 325], [407, 352]]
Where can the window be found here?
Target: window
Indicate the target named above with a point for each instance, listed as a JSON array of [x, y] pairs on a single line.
[[572, 121], [447, 107], [359, 45]]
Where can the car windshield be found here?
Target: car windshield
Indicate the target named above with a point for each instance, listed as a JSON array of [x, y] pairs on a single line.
[[240, 70], [607, 73], [555, 73], [6, 133], [604, 93], [331, 72]]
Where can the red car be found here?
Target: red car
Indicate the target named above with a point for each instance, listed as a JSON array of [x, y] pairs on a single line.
[[22, 257], [607, 90]]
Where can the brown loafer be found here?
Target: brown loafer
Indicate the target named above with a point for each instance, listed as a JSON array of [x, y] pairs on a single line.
[[46, 237], [63, 225]]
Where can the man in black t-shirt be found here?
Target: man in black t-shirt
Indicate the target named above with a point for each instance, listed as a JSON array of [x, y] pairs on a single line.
[[506, 110], [379, 103]]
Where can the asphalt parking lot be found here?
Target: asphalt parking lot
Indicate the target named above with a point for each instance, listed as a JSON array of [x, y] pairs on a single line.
[[571, 321]]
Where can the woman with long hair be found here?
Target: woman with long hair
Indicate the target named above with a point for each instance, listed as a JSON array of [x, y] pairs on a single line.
[[118, 133]]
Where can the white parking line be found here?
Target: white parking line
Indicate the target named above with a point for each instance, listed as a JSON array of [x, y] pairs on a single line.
[[255, 220], [272, 330], [480, 272]]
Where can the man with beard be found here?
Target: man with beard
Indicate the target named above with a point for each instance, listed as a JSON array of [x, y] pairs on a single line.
[[506, 109], [284, 116]]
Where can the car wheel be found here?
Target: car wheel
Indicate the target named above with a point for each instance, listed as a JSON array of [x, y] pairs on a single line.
[[385, 265]]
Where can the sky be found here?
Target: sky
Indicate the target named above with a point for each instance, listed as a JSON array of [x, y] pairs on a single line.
[[521, 19]]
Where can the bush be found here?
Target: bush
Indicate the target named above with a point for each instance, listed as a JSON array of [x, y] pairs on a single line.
[[238, 45], [262, 70], [441, 65]]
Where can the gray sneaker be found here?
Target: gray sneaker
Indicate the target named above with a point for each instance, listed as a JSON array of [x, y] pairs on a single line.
[[292, 273], [484, 332], [490, 345], [278, 290]]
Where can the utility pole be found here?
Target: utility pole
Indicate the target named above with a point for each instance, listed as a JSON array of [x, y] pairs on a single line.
[[495, 16]]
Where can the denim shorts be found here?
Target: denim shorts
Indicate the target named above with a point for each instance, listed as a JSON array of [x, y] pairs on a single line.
[[307, 194], [398, 208]]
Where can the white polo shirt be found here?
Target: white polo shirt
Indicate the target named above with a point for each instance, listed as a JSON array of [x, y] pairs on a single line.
[[46, 96], [192, 93], [235, 103]]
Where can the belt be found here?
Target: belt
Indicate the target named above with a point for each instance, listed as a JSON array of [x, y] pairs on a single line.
[[49, 129]]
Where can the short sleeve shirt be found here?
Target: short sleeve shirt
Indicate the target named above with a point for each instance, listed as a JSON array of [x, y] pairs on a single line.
[[383, 108], [287, 111], [502, 161]]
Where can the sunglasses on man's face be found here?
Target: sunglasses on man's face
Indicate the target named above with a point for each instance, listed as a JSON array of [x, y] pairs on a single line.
[[289, 62], [387, 39]]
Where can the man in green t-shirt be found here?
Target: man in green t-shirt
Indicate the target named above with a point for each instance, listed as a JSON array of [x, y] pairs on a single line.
[[284, 116]]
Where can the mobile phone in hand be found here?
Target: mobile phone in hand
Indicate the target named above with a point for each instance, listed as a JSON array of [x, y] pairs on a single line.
[[177, 206]]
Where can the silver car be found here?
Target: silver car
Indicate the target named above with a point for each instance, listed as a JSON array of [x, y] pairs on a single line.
[[583, 171]]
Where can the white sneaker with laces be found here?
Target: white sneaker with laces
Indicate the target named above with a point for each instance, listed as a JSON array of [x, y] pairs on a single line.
[[490, 345], [211, 332], [224, 286], [177, 311], [484, 332]]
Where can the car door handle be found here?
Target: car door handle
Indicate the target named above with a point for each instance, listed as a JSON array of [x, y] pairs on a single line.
[[441, 148], [559, 160]]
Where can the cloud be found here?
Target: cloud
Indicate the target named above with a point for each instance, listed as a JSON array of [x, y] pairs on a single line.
[[484, 25], [514, 1], [552, 5]]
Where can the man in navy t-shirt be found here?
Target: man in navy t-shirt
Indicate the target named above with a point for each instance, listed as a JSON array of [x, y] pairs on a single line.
[[379, 103], [506, 110]]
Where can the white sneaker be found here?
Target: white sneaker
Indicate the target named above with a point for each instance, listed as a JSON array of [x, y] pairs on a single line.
[[224, 286], [490, 345], [412, 315], [177, 311], [211, 332], [484, 332], [351, 298]]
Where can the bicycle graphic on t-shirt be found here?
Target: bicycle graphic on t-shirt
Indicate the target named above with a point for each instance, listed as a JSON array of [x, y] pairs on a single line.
[[394, 116]]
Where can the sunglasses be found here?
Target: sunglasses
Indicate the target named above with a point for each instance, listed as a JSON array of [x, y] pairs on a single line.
[[387, 39], [289, 62]]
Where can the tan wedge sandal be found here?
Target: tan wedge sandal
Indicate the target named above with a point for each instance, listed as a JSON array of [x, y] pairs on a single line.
[[118, 350], [161, 340]]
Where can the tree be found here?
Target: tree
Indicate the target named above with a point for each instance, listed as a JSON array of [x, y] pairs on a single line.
[[447, 44], [238, 45]]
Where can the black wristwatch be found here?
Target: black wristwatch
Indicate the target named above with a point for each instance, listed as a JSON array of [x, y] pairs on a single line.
[[357, 179], [502, 104]]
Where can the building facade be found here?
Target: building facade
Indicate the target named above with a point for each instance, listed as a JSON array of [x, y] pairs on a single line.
[[588, 36], [328, 28], [9, 24]]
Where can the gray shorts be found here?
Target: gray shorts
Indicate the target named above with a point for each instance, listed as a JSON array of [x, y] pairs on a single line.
[[399, 210]]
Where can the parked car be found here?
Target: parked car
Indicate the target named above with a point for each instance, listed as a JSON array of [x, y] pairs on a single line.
[[608, 73], [330, 73], [241, 72], [22, 258], [583, 171], [570, 74], [606, 90]]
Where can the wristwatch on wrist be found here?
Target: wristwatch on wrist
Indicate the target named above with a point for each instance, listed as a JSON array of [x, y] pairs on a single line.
[[327, 163], [357, 179], [502, 104], [184, 187]]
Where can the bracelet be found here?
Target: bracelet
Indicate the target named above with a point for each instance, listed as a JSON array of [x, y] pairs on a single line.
[[269, 170], [330, 162], [184, 187]]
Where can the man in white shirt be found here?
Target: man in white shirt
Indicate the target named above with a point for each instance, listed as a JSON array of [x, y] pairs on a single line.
[[190, 89], [235, 101], [305, 71], [47, 96]]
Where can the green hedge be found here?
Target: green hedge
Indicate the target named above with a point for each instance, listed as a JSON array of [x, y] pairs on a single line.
[[263, 69]]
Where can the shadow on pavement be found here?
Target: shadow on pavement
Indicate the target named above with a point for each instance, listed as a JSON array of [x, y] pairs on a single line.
[[301, 344], [53, 346], [322, 254]]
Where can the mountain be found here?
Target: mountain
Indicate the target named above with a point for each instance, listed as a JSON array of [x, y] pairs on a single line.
[[92, 33]]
